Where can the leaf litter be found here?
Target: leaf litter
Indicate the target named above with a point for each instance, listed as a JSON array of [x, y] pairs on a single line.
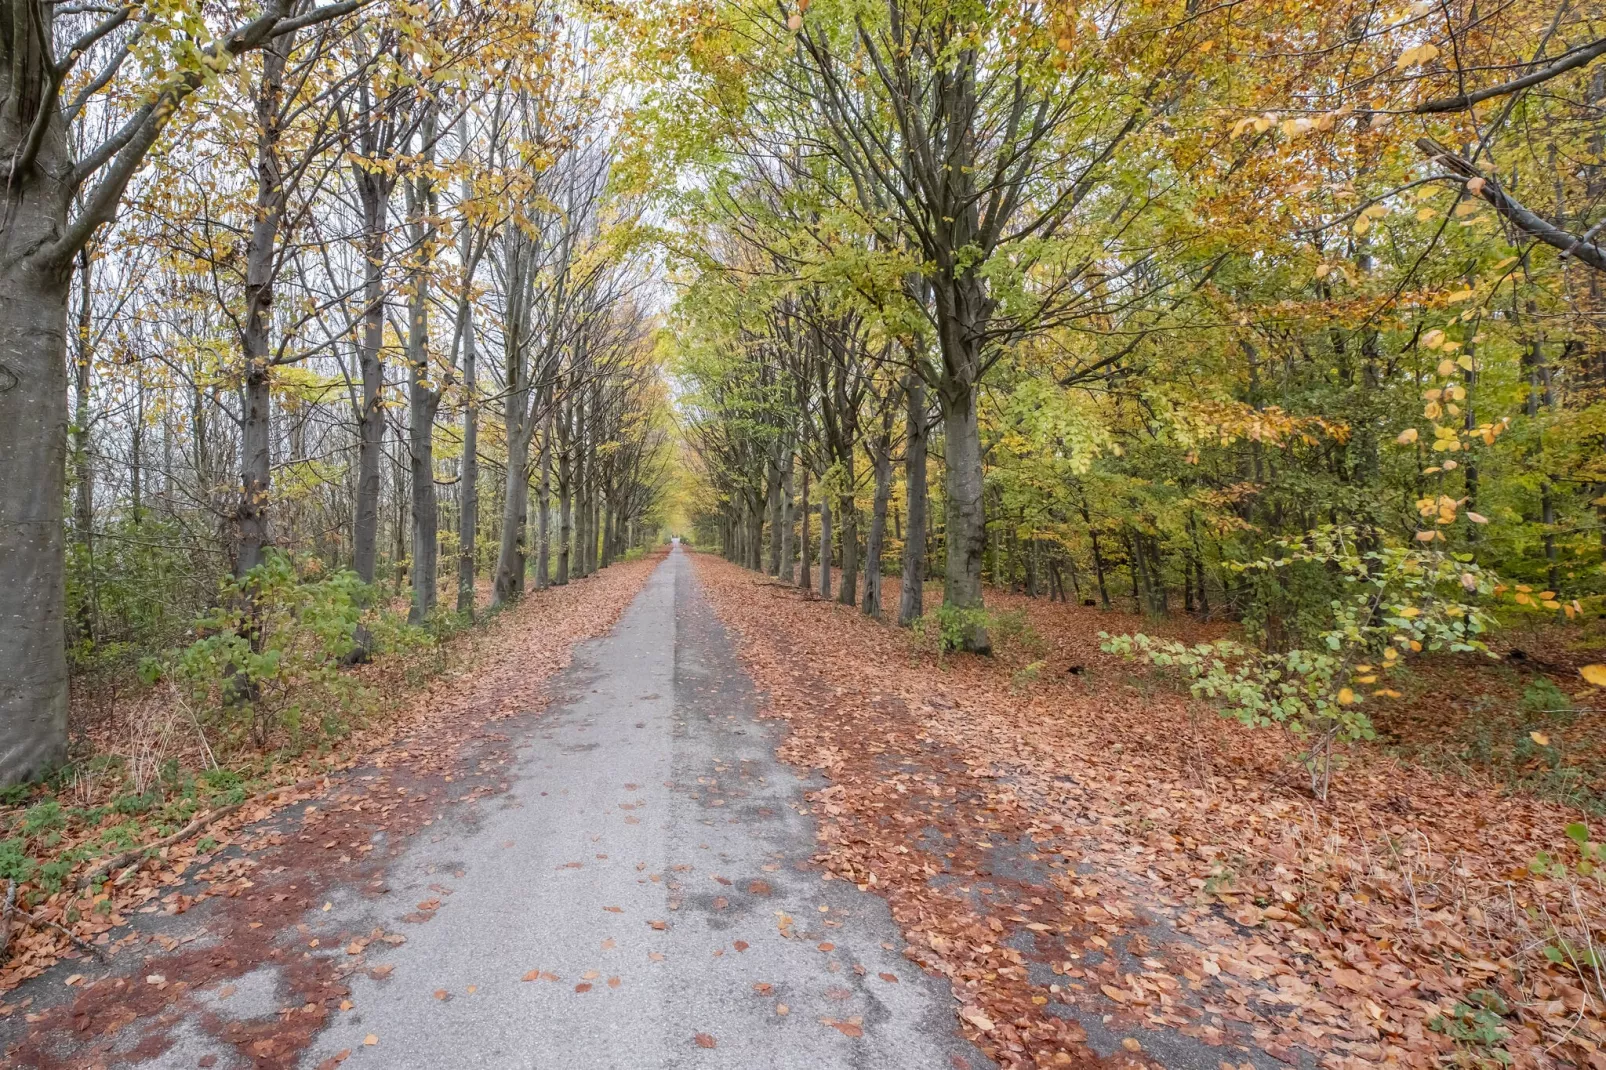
[[1098, 852]]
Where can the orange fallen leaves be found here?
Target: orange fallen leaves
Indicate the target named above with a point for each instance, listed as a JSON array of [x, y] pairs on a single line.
[[1173, 860]]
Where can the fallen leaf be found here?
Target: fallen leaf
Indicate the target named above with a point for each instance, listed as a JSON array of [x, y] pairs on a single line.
[[704, 1040], [370, 1040]]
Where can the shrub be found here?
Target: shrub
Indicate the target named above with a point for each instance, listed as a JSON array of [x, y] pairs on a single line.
[[268, 663], [1392, 602]]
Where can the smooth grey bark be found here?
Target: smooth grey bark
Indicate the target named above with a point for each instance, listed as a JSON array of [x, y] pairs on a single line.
[[468, 501], [543, 524], [83, 466], [373, 192], [468, 492], [516, 418], [881, 455], [33, 465], [423, 390], [911, 601]]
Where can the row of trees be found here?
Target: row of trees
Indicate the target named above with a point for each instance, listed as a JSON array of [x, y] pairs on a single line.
[[372, 300], [1160, 286]]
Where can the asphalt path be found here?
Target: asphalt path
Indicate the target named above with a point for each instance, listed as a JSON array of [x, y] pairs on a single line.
[[639, 896]]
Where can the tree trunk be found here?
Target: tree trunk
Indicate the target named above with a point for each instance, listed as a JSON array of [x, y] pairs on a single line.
[[33, 455], [772, 510], [847, 591], [374, 192], [83, 467], [423, 393], [911, 602], [825, 547], [564, 504], [882, 455], [468, 491], [515, 505], [803, 579], [966, 531], [543, 504], [256, 470], [786, 570]]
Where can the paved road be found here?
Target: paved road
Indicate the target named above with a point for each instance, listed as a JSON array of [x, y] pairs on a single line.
[[647, 866]]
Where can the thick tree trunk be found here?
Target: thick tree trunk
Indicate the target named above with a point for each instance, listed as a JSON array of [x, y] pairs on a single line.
[[848, 590], [33, 459], [966, 534], [82, 467], [251, 516], [515, 504], [424, 392], [911, 601]]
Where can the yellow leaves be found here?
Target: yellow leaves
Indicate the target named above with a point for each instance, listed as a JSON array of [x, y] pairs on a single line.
[[1433, 339], [1416, 56], [1406, 437], [1477, 518], [1458, 296], [1410, 612], [1540, 738], [1363, 223], [1258, 123], [1475, 186], [1386, 692], [1594, 674], [1346, 697]]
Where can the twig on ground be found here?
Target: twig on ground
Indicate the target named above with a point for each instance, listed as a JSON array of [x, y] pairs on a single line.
[[11, 910]]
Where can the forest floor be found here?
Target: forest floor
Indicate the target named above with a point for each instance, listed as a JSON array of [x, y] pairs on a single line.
[[613, 868], [1102, 866]]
